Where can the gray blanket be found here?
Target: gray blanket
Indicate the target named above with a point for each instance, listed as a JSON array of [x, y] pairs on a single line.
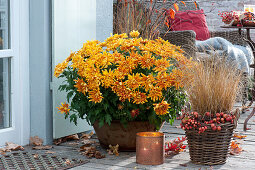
[[242, 56]]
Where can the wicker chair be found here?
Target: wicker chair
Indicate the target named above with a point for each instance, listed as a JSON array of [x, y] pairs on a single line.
[[186, 39]]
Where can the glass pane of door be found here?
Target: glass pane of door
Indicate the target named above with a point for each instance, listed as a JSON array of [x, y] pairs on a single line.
[[5, 117], [4, 24]]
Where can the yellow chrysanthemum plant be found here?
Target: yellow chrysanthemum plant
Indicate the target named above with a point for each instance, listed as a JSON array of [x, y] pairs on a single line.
[[124, 78]]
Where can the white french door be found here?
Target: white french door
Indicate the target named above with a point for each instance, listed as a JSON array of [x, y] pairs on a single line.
[[74, 22], [13, 73]]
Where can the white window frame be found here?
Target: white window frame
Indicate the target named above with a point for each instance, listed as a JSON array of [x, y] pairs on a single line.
[[19, 53]]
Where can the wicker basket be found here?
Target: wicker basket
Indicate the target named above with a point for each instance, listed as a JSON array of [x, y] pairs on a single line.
[[210, 147]]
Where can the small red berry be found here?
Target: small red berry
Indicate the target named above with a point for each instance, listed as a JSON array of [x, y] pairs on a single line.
[[208, 114], [225, 116], [195, 114], [228, 119]]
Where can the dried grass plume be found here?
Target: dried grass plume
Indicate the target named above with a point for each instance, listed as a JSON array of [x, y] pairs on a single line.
[[213, 85]]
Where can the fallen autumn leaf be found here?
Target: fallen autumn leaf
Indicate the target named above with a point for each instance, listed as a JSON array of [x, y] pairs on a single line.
[[36, 141]]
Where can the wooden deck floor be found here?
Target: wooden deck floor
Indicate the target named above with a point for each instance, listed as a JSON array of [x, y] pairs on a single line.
[[127, 160]]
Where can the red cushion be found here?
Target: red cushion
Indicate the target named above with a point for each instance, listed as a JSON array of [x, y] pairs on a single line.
[[191, 20]]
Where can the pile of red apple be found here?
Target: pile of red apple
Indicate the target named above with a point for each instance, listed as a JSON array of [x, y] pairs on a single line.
[[206, 121]]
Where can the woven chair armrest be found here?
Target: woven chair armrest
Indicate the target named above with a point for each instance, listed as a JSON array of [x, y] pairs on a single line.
[[185, 39], [232, 36]]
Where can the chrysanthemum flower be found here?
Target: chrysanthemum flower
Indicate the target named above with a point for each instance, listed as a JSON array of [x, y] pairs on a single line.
[[60, 68], [161, 108], [139, 97], [64, 108], [134, 34], [81, 86], [95, 96], [155, 93]]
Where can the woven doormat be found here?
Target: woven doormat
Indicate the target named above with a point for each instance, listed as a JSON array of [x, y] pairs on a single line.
[[27, 161]]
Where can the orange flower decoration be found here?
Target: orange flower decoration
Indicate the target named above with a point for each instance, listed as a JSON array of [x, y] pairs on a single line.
[[161, 108], [134, 34], [64, 108], [81, 86], [60, 68]]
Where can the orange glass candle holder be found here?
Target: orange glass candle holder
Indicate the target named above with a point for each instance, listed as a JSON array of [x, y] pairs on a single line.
[[150, 148]]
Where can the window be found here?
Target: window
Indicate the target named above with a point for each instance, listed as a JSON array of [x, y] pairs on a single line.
[[5, 93], [5, 117], [4, 24]]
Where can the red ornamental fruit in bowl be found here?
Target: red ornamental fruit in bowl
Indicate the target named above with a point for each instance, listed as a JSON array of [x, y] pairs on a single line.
[[210, 121], [230, 17]]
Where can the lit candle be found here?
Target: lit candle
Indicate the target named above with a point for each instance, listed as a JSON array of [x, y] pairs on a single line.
[[150, 148]]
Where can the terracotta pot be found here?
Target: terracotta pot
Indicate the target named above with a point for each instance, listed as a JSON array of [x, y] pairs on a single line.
[[116, 133]]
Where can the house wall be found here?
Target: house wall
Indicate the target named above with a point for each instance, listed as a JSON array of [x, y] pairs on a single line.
[[104, 24], [40, 69], [212, 8]]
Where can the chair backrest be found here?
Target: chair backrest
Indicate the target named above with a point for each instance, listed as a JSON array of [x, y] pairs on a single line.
[[232, 36]]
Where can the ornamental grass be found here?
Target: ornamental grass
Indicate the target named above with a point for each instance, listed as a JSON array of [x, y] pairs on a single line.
[[124, 78], [213, 85]]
